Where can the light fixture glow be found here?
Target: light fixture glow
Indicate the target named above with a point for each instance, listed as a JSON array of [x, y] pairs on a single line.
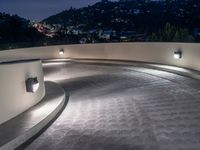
[[172, 68], [177, 54], [61, 51], [35, 87], [32, 85]]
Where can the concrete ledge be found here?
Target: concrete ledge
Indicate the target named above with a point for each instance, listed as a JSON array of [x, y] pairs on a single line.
[[20, 129], [14, 98], [131, 51]]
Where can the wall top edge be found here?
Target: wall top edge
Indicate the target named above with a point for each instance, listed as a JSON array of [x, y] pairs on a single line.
[[102, 44], [19, 61]]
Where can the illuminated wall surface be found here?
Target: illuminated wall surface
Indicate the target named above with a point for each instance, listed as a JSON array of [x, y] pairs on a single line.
[[14, 97], [148, 52], [13, 76]]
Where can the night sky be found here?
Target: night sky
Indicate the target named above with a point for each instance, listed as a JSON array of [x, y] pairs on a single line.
[[39, 9]]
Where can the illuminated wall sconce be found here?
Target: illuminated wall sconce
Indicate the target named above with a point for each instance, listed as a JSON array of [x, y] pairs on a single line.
[[32, 85], [177, 55], [61, 51]]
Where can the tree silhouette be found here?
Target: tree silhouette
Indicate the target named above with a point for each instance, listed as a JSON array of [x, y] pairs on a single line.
[[172, 34]]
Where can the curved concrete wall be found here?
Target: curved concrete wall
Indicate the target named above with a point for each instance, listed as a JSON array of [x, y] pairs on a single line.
[[148, 52], [13, 96]]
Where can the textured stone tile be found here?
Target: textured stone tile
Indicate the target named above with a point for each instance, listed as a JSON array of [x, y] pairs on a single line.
[[123, 108]]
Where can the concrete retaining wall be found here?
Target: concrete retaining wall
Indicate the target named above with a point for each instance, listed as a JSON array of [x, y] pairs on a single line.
[[147, 52], [13, 96]]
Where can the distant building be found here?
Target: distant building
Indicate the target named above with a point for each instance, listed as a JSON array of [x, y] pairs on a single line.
[[83, 41], [136, 11], [93, 31], [127, 35], [107, 34], [76, 31], [131, 36]]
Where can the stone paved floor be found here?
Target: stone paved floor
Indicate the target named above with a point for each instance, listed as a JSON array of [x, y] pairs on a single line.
[[123, 108]]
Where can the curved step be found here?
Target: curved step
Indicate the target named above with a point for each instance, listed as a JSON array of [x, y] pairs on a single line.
[[20, 129]]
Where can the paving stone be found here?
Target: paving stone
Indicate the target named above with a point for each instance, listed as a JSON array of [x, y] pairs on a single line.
[[123, 108]]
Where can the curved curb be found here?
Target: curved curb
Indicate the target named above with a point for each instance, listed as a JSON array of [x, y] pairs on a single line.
[[187, 72], [22, 128]]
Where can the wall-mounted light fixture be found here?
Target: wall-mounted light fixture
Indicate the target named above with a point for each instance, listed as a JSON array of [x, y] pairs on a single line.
[[32, 85], [61, 51], [177, 54]]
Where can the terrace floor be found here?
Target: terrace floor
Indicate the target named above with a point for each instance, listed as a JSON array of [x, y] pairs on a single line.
[[122, 107]]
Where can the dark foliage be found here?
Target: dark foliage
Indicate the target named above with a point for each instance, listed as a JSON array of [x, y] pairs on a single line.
[[17, 31]]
